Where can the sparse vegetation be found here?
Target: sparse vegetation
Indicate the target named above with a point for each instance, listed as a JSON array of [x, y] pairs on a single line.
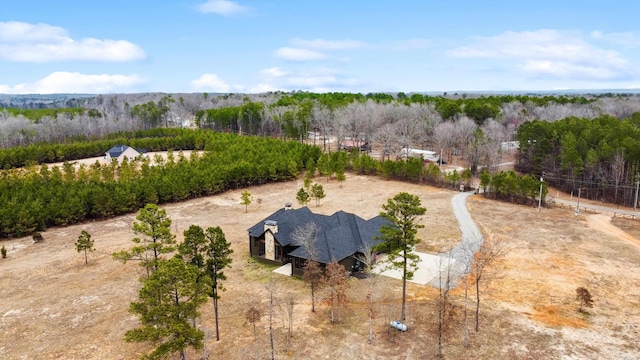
[[37, 237], [534, 273], [245, 199], [84, 243], [584, 298]]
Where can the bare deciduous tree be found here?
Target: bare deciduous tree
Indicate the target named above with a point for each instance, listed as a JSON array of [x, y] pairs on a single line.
[[305, 235], [584, 297], [337, 282], [492, 249], [253, 316], [368, 258], [290, 302]]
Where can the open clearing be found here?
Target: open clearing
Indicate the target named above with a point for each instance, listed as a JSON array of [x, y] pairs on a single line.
[[56, 307]]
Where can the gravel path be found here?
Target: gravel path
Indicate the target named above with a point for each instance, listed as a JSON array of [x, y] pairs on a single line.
[[462, 254]]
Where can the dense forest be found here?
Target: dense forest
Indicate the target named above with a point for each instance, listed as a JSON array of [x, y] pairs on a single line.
[[586, 143], [35, 198]]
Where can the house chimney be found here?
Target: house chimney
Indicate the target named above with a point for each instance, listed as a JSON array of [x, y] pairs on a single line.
[[271, 225], [270, 228]]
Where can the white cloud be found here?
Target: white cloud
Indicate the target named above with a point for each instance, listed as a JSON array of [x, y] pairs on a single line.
[[324, 45], [550, 53], [223, 7], [263, 88], [628, 39], [412, 44], [272, 72], [211, 82], [297, 54], [318, 80], [24, 42], [76, 83]]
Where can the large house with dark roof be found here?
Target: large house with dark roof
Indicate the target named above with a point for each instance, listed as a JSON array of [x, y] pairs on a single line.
[[340, 237]]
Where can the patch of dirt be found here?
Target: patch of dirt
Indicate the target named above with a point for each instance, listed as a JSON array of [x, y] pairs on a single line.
[[603, 223], [55, 306]]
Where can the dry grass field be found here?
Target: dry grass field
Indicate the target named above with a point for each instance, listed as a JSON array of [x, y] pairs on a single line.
[[56, 307]]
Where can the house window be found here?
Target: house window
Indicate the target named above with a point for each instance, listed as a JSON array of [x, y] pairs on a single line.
[[299, 263], [279, 252], [261, 247]]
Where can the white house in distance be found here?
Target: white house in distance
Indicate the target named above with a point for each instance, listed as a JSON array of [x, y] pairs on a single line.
[[119, 152], [427, 155]]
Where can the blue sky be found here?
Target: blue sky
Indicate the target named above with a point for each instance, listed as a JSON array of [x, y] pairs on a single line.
[[255, 46]]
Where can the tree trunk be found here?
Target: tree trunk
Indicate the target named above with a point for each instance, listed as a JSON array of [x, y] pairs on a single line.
[[313, 298], [477, 302], [332, 307], [404, 285], [273, 354], [85, 257], [466, 323], [440, 317], [370, 309], [215, 310]]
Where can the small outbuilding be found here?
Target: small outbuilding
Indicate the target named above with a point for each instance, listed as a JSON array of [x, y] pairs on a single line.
[[119, 152]]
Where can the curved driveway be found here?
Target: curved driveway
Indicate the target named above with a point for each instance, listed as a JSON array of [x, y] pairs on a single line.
[[462, 254]]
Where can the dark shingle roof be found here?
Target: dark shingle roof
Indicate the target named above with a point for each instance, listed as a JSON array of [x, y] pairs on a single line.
[[117, 150], [341, 234]]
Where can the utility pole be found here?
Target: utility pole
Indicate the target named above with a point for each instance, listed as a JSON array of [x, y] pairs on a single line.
[[635, 202], [578, 207], [540, 197]]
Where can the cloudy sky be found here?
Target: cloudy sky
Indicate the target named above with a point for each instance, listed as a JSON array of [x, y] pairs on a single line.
[[252, 46]]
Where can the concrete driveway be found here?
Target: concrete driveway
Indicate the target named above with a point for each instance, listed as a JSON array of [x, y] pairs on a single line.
[[428, 268], [453, 263]]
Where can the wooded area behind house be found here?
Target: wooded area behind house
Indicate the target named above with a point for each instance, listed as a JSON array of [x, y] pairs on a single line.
[[581, 143]]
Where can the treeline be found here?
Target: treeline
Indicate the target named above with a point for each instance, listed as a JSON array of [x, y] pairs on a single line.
[[504, 185], [479, 108], [37, 114], [158, 139], [599, 158], [35, 199]]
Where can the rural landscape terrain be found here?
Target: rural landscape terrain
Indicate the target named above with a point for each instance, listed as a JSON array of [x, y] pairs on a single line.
[[279, 180], [554, 283], [58, 307]]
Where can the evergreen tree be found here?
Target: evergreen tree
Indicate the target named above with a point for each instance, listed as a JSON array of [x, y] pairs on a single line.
[[317, 192], [84, 243], [168, 301], [156, 239], [218, 257], [303, 197], [245, 199], [399, 237]]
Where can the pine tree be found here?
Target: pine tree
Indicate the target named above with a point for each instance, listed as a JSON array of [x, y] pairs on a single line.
[[245, 199], [167, 302], [400, 236], [85, 244], [218, 257], [155, 228], [317, 193], [303, 197]]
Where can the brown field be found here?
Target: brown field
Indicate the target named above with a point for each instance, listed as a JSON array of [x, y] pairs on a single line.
[[56, 307]]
